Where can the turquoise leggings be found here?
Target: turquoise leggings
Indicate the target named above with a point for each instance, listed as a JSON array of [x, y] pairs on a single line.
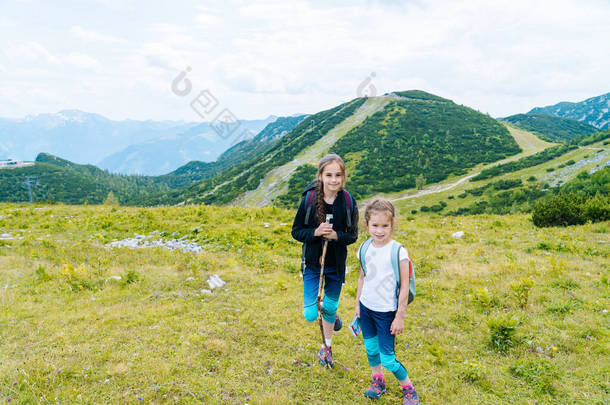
[[379, 342]]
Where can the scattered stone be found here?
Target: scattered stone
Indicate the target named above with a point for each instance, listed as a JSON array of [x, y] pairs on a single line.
[[190, 279], [144, 241], [215, 282], [458, 234], [266, 224], [6, 236], [118, 278], [204, 291]]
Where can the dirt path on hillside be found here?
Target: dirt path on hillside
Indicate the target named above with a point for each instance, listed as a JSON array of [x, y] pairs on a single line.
[[437, 188], [528, 142]]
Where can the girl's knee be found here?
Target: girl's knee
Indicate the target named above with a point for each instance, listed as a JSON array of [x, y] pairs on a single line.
[[389, 362], [310, 313], [330, 309], [372, 346]]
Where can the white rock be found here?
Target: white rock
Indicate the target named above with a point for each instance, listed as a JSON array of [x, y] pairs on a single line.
[[215, 282], [204, 291], [190, 278], [458, 234], [113, 278], [266, 224]]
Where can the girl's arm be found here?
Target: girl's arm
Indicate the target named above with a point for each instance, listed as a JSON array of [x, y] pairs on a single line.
[[300, 231], [358, 292], [398, 324]]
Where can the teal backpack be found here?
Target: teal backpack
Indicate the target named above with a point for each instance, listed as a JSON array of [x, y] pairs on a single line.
[[395, 265]]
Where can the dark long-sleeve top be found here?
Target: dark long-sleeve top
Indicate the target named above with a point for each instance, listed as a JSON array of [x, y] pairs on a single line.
[[313, 244]]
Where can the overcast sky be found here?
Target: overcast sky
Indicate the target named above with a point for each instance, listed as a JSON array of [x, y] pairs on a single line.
[[118, 58]]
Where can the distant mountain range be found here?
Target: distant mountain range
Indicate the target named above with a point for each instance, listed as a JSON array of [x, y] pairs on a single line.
[[64, 181], [594, 111], [128, 147], [550, 127]]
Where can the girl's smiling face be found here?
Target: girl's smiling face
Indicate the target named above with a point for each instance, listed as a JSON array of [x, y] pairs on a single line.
[[332, 178], [380, 226]]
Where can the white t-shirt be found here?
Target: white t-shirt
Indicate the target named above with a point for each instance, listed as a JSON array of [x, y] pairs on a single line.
[[379, 289]]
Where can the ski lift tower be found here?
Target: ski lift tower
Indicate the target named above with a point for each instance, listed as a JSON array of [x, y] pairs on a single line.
[[31, 181]]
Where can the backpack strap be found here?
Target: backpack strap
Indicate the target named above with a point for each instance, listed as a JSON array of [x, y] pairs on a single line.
[[395, 258], [396, 266], [348, 206], [362, 253], [309, 200]]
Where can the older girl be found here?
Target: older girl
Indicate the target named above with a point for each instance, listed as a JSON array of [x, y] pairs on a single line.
[[325, 196]]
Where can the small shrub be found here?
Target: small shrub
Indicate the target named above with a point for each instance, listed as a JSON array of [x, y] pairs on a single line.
[[41, 274], [436, 352], [521, 291], [540, 373], [76, 277], [562, 209], [561, 308], [566, 284], [502, 330], [131, 276], [550, 169], [484, 299], [471, 372]]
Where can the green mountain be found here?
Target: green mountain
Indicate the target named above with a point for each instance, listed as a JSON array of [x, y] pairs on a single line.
[[388, 143], [63, 181], [593, 111], [551, 128]]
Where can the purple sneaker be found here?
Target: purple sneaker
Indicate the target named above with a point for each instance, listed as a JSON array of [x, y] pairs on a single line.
[[409, 396], [377, 388], [326, 357]]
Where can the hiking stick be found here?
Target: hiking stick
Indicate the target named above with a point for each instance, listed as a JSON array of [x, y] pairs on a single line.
[[324, 245]]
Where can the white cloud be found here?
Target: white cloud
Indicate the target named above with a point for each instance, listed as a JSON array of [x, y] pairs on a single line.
[[82, 61], [29, 52], [94, 36], [265, 57]]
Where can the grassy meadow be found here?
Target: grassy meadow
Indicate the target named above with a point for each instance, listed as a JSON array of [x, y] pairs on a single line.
[[508, 313]]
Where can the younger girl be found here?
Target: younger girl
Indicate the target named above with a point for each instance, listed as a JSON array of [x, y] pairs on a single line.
[[322, 197], [380, 309]]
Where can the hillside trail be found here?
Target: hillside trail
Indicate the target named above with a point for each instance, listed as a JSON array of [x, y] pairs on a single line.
[[275, 182], [528, 142]]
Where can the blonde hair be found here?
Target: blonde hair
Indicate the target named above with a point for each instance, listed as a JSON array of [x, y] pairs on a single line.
[[325, 161], [379, 205]]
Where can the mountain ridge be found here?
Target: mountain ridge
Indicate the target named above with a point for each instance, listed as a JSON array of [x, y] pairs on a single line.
[[594, 110]]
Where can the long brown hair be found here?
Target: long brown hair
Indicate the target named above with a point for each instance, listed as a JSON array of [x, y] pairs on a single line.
[[326, 160]]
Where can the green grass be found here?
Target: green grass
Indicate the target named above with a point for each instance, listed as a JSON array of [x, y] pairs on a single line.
[[71, 334]]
